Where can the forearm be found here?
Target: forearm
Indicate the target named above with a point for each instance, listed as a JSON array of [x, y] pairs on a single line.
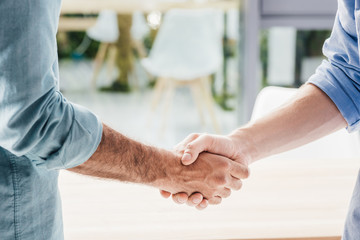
[[123, 159], [309, 116]]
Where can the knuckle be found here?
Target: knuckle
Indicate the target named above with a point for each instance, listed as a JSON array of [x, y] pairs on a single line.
[[190, 146], [225, 165], [194, 135], [220, 180]]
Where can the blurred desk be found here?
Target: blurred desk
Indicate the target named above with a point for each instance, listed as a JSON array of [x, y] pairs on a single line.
[[283, 199], [126, 6]]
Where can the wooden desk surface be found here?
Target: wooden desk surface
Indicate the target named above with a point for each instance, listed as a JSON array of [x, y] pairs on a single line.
[[126, 6], [293, 199]]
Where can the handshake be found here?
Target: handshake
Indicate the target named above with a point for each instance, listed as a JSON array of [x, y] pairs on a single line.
[[211, 166], [202, 170]]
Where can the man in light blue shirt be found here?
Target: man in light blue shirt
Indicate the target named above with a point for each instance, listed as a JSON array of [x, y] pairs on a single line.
[[328, 102], [41, 132]]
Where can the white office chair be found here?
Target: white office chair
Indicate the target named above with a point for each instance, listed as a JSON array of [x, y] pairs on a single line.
[[139, 27], [186, 51], [233, 21], [339, 145], [139, 30], [105, 31]]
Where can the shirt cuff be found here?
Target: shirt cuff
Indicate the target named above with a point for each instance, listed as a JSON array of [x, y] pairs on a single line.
[[80, 144], [341, 92]]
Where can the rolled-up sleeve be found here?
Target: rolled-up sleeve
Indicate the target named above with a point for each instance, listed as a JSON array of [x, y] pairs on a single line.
[[339, 76], [35, 118]]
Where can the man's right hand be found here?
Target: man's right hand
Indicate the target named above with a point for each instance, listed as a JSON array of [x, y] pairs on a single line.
[[211, 175], [195, 144]]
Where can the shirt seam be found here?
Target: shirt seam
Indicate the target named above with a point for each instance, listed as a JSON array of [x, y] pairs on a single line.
[[15, 179], [69, 132]]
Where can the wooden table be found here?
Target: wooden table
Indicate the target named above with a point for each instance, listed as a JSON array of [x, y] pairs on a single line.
[[292, 199], [126, 6]]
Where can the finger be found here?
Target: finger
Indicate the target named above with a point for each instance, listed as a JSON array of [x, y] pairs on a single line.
[[197, 146], [180, 198], [204, 203], [165, 194], [235, 184], [225, 193], [238, 170], [180, 147], [215, 200], [195, 199]]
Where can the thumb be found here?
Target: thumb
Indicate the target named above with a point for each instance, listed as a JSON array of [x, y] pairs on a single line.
[[194, 148], [189, 158]]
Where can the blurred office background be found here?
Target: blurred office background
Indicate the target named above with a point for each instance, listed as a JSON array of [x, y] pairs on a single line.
[[158, 70]]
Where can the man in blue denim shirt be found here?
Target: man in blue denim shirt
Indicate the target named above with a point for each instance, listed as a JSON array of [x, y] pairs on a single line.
[[41, 132], [328, 102]]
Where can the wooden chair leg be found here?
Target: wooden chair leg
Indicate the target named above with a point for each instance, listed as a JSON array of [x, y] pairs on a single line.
[[196, 93], [111, 61], [158, 91], [99, 60], [170, 87], [140, 48], [209, 102]]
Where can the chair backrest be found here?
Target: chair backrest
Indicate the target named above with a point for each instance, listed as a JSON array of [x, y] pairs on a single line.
[[188, 44], [139, 28], [106, 27], [339, 145], [233, 24]]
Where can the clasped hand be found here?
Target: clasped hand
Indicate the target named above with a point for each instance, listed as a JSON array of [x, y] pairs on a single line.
[[228, 165]]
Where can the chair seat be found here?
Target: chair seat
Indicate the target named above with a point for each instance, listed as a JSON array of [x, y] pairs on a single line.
[[178, 70]]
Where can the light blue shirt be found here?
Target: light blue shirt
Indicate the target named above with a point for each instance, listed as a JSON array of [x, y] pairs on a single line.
[[41, 132], [339, 78]]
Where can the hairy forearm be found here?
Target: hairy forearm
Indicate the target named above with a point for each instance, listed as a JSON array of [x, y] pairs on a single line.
[[120, 158], [309, 116]]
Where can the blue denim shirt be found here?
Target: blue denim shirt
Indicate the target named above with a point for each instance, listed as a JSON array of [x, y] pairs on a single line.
[[40, 131]]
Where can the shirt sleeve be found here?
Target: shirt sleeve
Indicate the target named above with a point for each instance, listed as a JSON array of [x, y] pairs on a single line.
[[35, 118], [339, 76]]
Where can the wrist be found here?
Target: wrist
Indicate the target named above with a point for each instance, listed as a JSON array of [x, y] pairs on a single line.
[[245, 145], [169, 166]]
